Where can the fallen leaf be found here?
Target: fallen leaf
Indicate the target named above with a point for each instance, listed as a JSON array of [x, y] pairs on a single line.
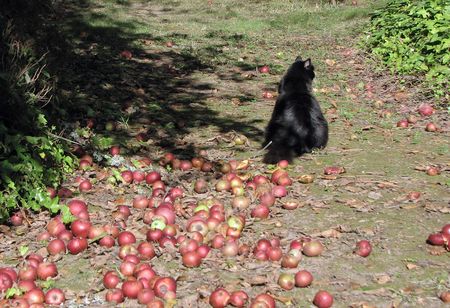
[[306, 178], [374, 195], [411, 266], [382, 278], [236, 101], [330, 233], [401, 96], [285, 300], [362, 305], [330, 62], [258, 280]]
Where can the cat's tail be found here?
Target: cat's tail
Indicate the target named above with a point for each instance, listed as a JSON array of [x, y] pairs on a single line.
[[277, 153]]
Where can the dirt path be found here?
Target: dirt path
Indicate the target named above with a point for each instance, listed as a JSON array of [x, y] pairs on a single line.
[[201, 91]]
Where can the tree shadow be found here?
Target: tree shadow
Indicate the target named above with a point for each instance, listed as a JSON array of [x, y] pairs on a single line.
[[152, 90]]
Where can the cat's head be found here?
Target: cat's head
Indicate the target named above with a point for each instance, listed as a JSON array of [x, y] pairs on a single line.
[[299, 76]]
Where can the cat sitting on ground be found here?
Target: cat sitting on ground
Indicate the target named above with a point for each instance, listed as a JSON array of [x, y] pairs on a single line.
[[297, 125]]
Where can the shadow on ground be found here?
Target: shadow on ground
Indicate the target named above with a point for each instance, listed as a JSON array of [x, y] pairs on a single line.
[[153, 93]]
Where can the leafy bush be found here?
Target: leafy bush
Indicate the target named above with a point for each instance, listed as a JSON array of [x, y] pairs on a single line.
[[31, 157], [413, 36]]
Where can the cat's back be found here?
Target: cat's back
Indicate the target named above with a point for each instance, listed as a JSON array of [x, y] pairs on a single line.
[[298, 100]]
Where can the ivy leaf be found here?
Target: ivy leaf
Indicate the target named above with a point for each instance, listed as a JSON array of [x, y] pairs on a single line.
[[42, 120], [23, 250], [48, 284], [66, 216], [12, 292]]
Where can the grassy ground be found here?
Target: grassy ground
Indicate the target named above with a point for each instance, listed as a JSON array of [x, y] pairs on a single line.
[[206, 89]]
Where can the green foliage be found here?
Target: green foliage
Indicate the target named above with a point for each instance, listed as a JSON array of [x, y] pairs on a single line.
[[31, 157], [413, 36]]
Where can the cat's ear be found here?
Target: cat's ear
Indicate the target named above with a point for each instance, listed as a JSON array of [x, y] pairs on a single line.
[[307, 64], [298, 59]]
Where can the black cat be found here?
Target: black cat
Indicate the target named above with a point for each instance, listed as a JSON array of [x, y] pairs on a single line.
[[297, 124]]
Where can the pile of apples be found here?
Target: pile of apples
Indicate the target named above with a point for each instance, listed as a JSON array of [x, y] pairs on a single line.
[[191, 228]]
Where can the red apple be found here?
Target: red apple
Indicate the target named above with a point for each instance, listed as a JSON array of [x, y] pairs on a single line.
[[16, 219], [77, 245], [286, 281], [268, 300], [26, 285], [126, 54], [46, 270], [323, 299], [238, 298], [163, 286], [145, 296], [138, 176], [192, 259], [114, 150], [35, 296], [426, 109], [115, 296], [152, 177], [334, 170], [5, 282], [11, 272], [219, 298], [80, 228], [56, 246], [28, 272], [126, 238], [55, 297], [312, 249], [77, 206], [432, 171], [431, 127], [363, 248], [303, 279], [131, 288], [403, 123], [264, 69], [267, 94], [111, 280], [85, 185], [140, 202], [127, 176], [146, 250]]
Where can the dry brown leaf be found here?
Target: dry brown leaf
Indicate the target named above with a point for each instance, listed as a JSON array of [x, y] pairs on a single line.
[[330, 62], [236, 101], [248, 75], [189, 301], [386, 185], [306, 178], [437, 208], [382, 278], [258, 280], [374, 195], [401, 96], [285, 300], [243, 164], [330, 233], [368, 127], [362, 305], [329, 177], [120, 200], [333, 170], [436, 250], [367, 231], [411, 266], [317, 204], [410, 206]]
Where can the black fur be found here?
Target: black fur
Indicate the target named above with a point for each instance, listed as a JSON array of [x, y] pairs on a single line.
[[297, 125]]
